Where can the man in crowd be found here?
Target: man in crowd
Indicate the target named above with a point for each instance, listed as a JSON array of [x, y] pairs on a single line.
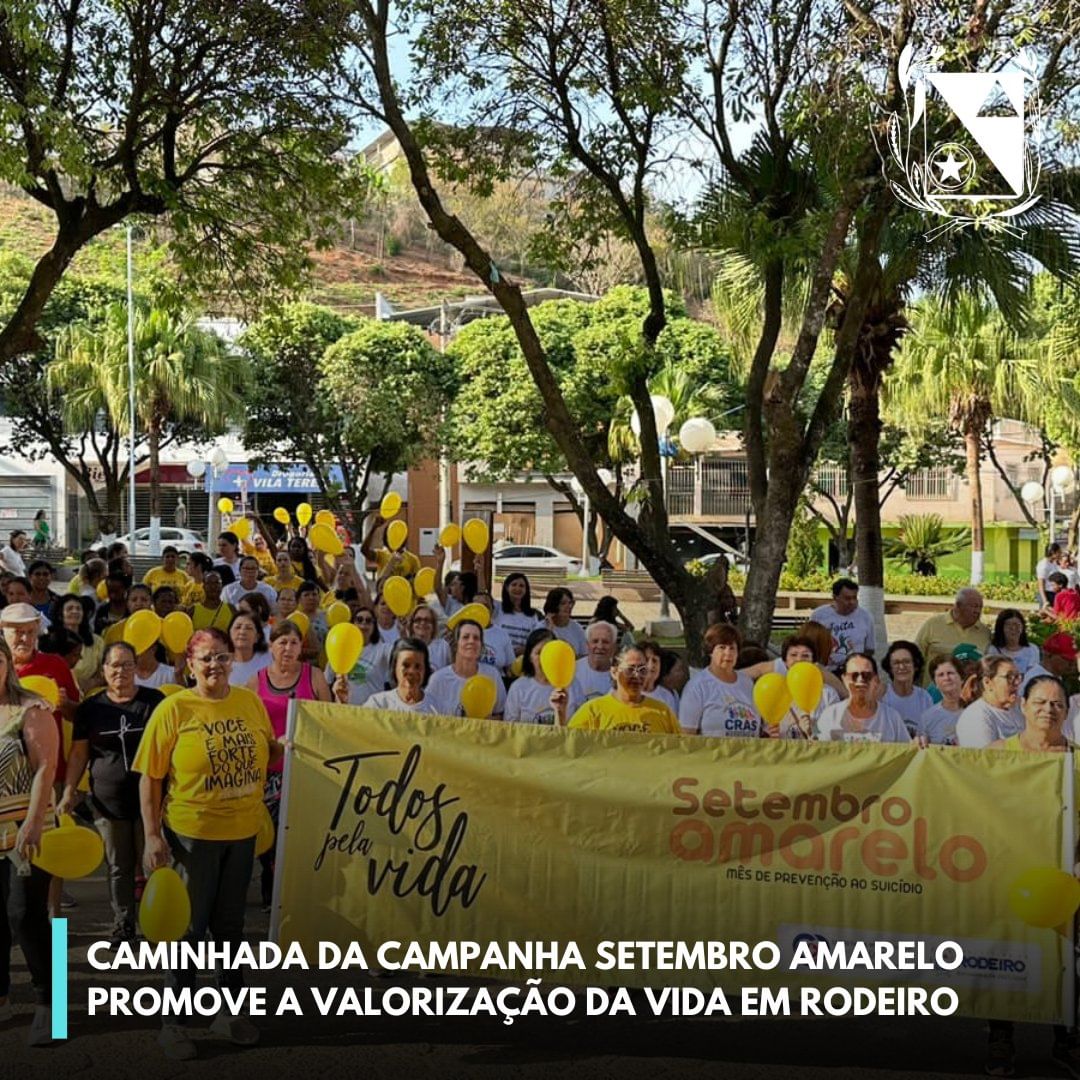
[[1045, 567], [851, 626], [168, 573], [594, 668], [960, 625], [114, 608], [41, 579], [11, 553]]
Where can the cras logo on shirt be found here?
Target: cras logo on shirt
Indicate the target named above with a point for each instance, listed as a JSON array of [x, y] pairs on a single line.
[[966, 148]]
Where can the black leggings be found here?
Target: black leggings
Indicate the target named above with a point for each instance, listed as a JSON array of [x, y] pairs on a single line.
[[24, 918]]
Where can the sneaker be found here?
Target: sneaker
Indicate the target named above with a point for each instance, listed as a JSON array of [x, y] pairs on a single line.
[[1000, 1056], [40, 1033], [67, 901], [1066, 1055], [239, 1030], [176, 1043]]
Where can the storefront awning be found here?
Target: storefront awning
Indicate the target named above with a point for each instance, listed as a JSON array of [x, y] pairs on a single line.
[[292, 478]]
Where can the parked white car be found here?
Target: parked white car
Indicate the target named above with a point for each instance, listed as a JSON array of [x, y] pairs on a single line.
[[526, 557], [184, 540]]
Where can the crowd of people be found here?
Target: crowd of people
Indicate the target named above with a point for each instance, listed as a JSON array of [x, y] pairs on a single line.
[[176, 756]]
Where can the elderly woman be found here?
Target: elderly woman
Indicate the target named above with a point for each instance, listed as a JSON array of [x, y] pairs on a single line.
[[423, 626], [108, 727], [903, 663], [1043, 708], [444, 688], [29, 745], [410, 670], [938, 723], [719, 700], [863, 717], [993, 714], [626, 708], [209, 748]]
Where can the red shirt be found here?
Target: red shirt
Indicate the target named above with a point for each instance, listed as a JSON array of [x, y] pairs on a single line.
[[55, 668], [1067, 603]]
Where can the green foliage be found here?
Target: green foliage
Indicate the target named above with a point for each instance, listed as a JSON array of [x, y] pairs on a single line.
[[803, 547], [1014, 590], [923, 539]]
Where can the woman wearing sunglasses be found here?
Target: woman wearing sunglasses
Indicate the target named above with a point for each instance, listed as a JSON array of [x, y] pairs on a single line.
[[993, 714], [626, 708], [862, 717]]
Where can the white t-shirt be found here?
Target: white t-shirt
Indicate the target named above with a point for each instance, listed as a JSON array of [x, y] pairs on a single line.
[[438, 652], [593, 684], [713, 707], [12, 561], [231, 594], [910, 708], [886, 725], [981, 723], [1044, 568], [1026, 656], [850, 633], [527, 702], [242, 670], [1072, 729], [668, 697], [388, 699], [498, 650], [444, 691], [162, 675], [388, 635], [517, 625], [368, 677], [573, 635], [938, 724]]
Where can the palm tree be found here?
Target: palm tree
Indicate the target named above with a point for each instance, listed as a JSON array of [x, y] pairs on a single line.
[[183, 374], [923, 539], [962, 361]]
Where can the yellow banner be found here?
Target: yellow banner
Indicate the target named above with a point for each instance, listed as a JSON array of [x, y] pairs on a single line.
[[415, 828]]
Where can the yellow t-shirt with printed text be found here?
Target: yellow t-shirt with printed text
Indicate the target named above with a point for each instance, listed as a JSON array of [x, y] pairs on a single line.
[[213, 752], [608, 713]]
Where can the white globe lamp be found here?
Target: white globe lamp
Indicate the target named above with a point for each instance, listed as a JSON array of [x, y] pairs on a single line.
[[1062, 479], [697, 435], [196, 469], [1032, 492]]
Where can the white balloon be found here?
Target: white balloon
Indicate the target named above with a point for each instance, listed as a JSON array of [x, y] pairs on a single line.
[[196, 468], [697, 435], [663, 413]]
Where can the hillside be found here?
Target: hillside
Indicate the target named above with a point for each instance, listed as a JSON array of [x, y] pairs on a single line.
[[346, 277]]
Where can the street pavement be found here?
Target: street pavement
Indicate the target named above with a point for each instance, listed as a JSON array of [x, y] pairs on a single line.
[[440, 1048]]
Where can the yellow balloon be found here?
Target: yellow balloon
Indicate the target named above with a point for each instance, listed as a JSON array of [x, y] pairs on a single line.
[[102, 591], [142, 629], [344, 644], [450, 536], [281, 515], [805, 683], [397, 532], [558, 662], [264, 838], [772, 697], [326, 517], [390, 505], [337, 612], [398, 594], [225, 506], [424, 582], [115, 633], [69, 851], [43, 686], [165, 909], [170, 688], [302, 621], [303, 513], [474, 613], [242, 528], [476, 535], [478, 697], [323, 538], [176, 631], [1044, 896], [518, 666]]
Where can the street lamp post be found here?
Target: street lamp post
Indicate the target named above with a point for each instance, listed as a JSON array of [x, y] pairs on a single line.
[[1062, 480], [131, 403]]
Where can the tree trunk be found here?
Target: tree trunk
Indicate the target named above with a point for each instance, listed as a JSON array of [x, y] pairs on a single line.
[[1074, 529], [971, 445], [864, 431]]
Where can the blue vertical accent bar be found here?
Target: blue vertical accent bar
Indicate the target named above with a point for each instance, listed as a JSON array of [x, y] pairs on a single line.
[[59, 978]]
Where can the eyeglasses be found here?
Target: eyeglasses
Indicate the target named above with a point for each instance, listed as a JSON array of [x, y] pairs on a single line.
[[859, 676], [365, 619], [640, 670], [127, 665], [216, 658], [1012, 679]]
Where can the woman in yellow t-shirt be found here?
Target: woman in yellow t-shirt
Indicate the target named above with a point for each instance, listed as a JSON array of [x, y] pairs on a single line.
[[212, 745], [286, 576], [211, 611], [626, 708]]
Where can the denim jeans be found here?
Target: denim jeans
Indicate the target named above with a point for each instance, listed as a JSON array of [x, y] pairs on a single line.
[[123, 855], [217, 874], [24, 918]]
